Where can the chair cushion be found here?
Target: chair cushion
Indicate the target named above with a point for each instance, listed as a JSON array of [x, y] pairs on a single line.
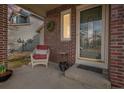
[[39, 56], [42, 47]]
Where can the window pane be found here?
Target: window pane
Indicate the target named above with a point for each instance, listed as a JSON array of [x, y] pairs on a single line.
[[66, 26], [90, 33], [14, 19], [22, 19]]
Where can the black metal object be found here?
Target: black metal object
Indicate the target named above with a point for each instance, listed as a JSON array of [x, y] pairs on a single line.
[[63, 66], [6, 75]]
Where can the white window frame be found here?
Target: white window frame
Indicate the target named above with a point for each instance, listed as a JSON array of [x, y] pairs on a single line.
[[68, 11], [26, 20], [16, 19], [103, 63]]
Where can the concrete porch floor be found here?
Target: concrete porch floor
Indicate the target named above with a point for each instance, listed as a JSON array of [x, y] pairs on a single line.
[[40, 78]]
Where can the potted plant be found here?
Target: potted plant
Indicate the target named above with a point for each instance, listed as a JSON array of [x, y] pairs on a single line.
[[4, 73]]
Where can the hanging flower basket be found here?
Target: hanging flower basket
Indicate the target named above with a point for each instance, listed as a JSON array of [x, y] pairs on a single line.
[[50, 25]]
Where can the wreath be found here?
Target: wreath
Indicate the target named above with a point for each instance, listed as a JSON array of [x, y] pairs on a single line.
[[50, 25]]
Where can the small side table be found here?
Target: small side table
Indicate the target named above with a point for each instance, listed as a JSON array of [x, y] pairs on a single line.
[[63, 56]]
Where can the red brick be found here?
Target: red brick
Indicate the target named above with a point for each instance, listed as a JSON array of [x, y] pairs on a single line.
[[116, 46], [118, 33], [116, 67], [116, 53], [53, 39], [3, 32]]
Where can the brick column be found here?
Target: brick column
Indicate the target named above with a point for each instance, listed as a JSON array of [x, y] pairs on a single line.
[[116, 67], [3, 32]]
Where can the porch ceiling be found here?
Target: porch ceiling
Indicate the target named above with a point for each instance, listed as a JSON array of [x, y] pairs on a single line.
[[39, 9]]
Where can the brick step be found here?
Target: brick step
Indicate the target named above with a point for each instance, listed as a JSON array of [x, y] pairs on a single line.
[[93, 79]]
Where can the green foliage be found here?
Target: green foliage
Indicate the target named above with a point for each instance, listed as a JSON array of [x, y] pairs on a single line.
[[18, 62], [2, 69], [50, 25]]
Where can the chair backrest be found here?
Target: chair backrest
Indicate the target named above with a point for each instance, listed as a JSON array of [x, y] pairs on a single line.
[[41, 49]]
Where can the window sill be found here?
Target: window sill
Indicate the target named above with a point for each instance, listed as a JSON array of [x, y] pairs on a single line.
[[90, 59], [98, 64], [65, 40], [21, 24]]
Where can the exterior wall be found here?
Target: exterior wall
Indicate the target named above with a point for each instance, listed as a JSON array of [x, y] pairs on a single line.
[[116, 47], [3, 32], [53, 39], [25, 32]]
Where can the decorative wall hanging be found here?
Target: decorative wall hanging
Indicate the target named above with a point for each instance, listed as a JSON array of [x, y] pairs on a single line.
[[50, 25]]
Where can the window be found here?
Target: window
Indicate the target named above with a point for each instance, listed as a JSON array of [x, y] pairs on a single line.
[[91, 33], [66, 25], [20, 19]]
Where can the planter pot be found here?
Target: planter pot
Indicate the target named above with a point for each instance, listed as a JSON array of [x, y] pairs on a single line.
[[5, 76]]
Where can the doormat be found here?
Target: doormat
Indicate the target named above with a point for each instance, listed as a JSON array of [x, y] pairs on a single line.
[[94, 69]]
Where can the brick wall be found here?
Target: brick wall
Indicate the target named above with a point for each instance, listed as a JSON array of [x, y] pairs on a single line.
[[116, 48], [3, 32], [116, 42], [53, 39]]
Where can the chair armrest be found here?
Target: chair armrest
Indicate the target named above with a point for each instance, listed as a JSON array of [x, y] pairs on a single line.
[[34, 51], [48, 53]]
